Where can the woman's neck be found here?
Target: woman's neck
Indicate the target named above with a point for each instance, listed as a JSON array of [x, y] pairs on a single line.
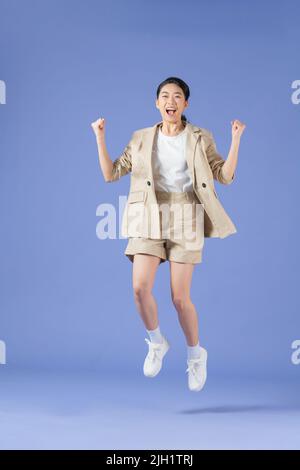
[[172, 129]]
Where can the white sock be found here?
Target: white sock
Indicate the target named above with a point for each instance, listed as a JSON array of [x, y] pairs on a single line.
[[155, 335], [194, 352]]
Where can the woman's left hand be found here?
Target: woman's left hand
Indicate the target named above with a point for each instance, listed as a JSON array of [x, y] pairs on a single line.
[[237, 128]]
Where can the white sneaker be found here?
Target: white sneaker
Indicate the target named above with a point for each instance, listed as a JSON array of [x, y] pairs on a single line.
[[153, 361], [197, 371]]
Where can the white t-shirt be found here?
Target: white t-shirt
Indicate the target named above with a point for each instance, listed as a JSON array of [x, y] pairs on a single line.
[[170, 170]]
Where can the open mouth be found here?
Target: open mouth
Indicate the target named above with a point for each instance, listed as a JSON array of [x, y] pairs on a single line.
[[170, 112]]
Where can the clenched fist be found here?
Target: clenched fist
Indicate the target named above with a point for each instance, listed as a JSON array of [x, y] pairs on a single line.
[[99, 127], [237, 128]]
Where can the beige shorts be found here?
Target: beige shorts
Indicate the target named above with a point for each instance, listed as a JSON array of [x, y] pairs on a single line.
[[182, 230]]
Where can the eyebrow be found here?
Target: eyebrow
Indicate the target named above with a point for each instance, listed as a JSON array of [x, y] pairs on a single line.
[[176, 92]]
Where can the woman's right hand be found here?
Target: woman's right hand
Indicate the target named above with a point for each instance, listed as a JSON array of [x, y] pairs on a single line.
[[99, 127]]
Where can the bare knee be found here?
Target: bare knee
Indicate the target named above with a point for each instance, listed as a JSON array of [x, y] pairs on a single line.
[[141, 290], [181, 302]]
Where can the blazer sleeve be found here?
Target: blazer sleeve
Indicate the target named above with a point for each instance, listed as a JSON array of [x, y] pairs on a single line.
[[216, 162], [123, 164]]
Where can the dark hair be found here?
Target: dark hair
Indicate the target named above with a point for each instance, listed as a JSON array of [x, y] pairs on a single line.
[[181, 84]]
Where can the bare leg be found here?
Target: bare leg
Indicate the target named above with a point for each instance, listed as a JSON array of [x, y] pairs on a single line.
[[143, 276], [180, 280]]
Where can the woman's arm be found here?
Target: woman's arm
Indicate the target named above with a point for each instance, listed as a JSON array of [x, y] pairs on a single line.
[[230, 164], [224, 170], [112, 170]]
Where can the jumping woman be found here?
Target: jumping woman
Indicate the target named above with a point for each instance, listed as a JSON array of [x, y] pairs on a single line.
[[173, 164]]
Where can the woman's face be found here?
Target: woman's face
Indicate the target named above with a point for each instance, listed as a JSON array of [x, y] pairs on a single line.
[[171, 97]]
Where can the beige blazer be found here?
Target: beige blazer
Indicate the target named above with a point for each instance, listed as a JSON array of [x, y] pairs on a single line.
[[205, 165]]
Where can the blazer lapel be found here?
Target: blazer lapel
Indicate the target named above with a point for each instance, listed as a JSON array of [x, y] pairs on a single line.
[[193, 134]]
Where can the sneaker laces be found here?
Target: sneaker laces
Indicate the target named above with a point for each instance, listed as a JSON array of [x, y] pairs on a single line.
[[153, 347], [192, 365]]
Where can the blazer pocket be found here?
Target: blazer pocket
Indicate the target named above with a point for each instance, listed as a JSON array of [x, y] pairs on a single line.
[[137, 196]]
